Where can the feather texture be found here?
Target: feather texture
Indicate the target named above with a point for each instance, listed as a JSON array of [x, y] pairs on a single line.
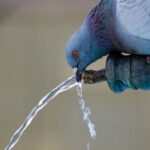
[[112, 25]]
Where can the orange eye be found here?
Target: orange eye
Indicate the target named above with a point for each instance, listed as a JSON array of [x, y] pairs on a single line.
[[75, 53]]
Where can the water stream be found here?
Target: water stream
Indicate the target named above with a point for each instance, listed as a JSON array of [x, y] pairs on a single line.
[[64, 86], [86, 112]]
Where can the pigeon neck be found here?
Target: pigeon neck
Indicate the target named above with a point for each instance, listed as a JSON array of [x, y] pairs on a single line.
[[98, 22]]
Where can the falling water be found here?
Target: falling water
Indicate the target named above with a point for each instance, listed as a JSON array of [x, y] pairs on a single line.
[[86, 112], [66, 85]]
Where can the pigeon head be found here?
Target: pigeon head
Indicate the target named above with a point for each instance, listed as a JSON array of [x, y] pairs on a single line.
[[90, 42], [82, 50]]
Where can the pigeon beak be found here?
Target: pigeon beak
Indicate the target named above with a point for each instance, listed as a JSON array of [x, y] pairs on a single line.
[[78, 74]]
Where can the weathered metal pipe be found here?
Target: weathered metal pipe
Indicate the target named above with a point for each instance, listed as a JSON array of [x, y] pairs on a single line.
[[122, 72]]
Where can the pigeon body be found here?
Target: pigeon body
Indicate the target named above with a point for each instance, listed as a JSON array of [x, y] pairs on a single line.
[[111, 26], [132, 25]]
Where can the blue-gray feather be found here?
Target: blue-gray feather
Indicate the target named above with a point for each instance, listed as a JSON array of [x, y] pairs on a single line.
[[132, 25], [113, 25]]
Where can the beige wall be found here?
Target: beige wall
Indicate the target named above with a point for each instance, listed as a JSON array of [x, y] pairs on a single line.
[[33, 34]]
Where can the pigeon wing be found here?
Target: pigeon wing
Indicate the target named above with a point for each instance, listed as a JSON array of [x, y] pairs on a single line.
[[134, 17]]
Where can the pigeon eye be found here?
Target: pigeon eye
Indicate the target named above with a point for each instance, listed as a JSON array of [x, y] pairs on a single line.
[[75, 53]]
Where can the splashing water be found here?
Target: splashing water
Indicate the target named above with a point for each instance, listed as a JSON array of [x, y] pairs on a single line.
[[86, 112], [64, 86]]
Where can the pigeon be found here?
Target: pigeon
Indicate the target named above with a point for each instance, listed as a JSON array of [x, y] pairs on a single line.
[[112, 26]]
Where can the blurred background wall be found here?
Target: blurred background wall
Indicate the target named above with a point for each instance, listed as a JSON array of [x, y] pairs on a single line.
[[33, 34]]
